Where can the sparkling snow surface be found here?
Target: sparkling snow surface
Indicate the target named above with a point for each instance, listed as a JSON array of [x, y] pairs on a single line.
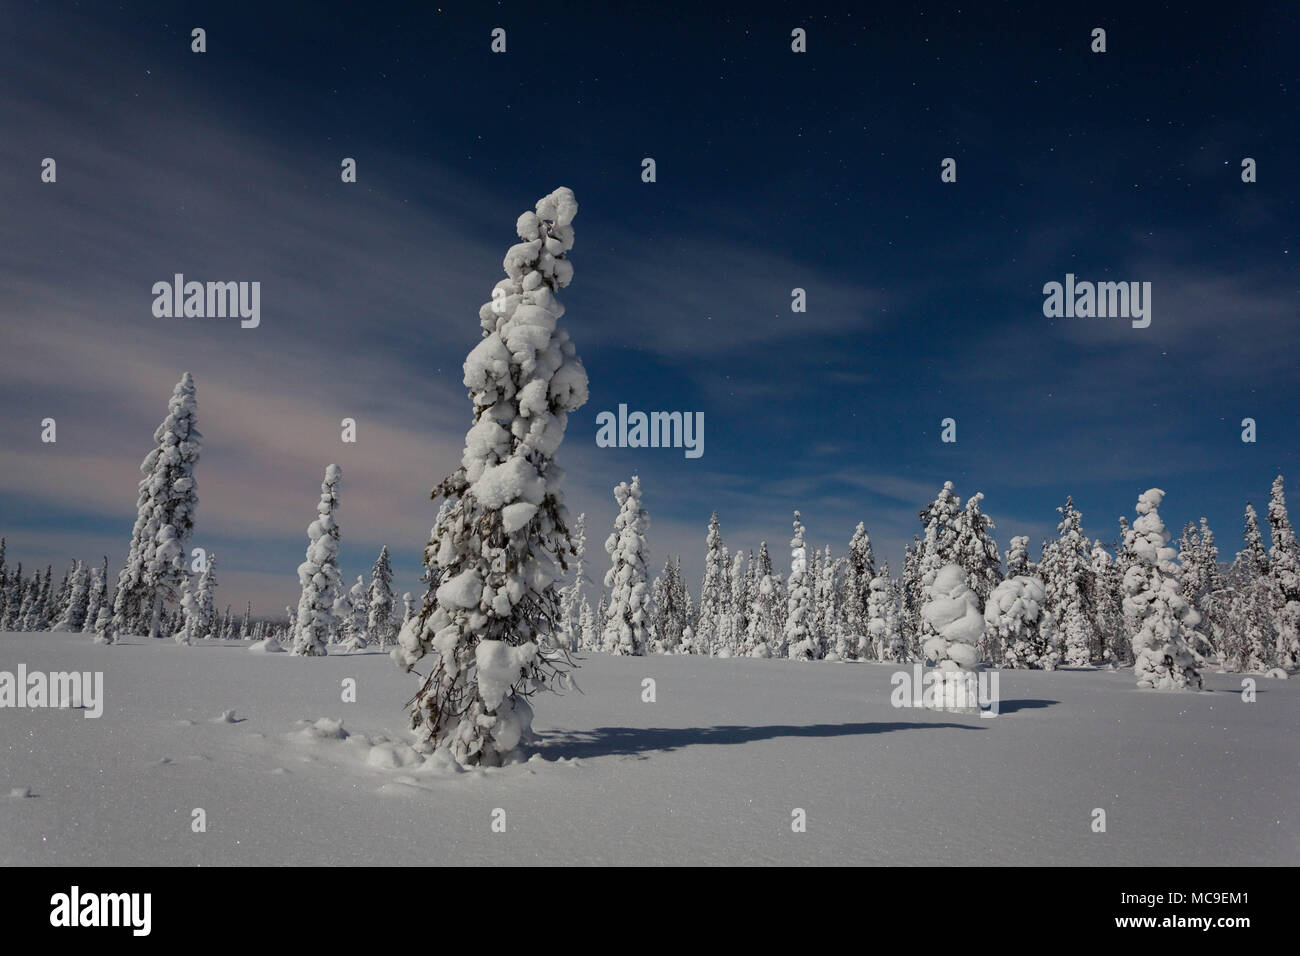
[[708, 774]]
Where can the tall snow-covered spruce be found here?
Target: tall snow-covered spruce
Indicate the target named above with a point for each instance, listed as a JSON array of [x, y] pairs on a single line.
[[627, 616], [380, 619], [317, 623], [492, 560], [151, 580], [1153, 604]]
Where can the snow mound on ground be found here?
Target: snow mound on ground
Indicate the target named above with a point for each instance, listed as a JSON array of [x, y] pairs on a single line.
[[227, 717], [392, 756], [1277, 673], [373, 753], [20, 792], [325, 729], [268, 646]]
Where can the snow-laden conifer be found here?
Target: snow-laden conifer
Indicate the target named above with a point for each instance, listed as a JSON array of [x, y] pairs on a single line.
[[976, 551], [713, 591], [884, 639], [78, 603], [315, 623], [190, 627], [1154, 607], [381, 620], [1018, 562], [857, 589], [205, 601], [952, 613], [571, 594], [1284, 566], [1066, 572], [355, 631], [800, 642], [165, 507], [1108, 607], [1021, 632], [731, 632], [95, 596], [626, 616], [496, 555]]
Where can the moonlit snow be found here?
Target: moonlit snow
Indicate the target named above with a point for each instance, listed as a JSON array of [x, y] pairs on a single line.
[[708, 774]]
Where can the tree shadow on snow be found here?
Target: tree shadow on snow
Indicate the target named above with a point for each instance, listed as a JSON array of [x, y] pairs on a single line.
[[1011, 706], [635, 741]]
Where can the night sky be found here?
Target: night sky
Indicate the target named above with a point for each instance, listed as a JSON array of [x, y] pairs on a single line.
[[775, 170]]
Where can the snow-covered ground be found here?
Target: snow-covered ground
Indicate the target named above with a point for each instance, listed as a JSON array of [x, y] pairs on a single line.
[[708, 774]]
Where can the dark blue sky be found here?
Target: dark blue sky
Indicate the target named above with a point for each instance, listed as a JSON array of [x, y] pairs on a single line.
[[775, 170]]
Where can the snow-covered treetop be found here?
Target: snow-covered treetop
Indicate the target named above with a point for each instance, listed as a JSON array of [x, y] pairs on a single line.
[[524, 377], [798, 550], [1148, 538]]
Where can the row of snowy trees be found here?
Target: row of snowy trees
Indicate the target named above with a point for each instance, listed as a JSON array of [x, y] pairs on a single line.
[[83, 603], [328, 613], [160, 592], [1082, 603]]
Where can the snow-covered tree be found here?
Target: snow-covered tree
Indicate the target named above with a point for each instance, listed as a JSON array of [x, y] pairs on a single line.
[[588, 634], [713, 592], [1021, 633], [912, 598], [1066, 572], [1154, 607], [165, 507], [725, 611], [731, 632], [1108, 606], [496, 556], [976, 551], [1199, 560], [356, 633], [95, 596], [1284, 566], [105, 632], [884, 639], [59, 603], [834, 634], [78, 603], [191, 625], [15, 592], [36, 603], [1249, 627], [626, 617], [800, 641], [381, 621], [952, 612], [1018, 563], [670, 611], [857, 589], [766, 619], [571, 594], [316, 624], [938, 546], [205, 601]]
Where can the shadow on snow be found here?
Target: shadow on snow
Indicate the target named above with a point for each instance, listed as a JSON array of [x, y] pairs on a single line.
[[609, 741]]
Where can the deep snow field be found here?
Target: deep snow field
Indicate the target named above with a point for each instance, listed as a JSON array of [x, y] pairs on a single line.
[[708, 774]]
